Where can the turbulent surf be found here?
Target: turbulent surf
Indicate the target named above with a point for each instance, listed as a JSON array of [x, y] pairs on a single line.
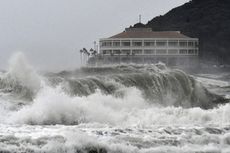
[[120, 108]]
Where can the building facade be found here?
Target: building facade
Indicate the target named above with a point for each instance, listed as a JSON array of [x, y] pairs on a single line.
[[142, 45]]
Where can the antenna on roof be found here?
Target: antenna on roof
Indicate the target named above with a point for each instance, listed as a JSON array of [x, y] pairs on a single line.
[[140, 18]]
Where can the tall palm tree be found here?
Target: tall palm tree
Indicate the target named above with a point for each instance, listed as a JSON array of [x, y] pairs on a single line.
[[85, 54], [93, 54], [81, 52], [91, 50]]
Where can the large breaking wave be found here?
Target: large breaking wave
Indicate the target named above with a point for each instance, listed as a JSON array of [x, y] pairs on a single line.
[[114, 95], [123, 108]]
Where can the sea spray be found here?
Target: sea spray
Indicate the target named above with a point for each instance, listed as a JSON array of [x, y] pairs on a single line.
[[123, 108], [21, 79], [21, 71], [53, 106]]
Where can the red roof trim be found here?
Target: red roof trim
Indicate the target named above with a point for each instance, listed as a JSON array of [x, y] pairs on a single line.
[[152, 34]]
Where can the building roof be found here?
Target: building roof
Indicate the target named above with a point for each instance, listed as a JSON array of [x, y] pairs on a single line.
[[148, 33]]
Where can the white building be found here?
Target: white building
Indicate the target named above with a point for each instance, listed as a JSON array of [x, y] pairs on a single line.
[[142, 45]]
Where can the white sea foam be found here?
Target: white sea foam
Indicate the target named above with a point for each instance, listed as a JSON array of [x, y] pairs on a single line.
[[72, 139], [125, 124], [53, 106]]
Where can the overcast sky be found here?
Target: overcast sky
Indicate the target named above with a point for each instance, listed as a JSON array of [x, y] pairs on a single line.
[[51, 32]]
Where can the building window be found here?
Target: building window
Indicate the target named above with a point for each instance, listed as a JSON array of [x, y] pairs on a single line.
[[116, 43], [149, 43], [183, 51], [108, 43], [161, 51], [137, 52], [191, 51], [116, 52], [107, 52], [149, 51], [161, 43], [126, 52], [183, 43], [172, 43], [126, 43], [137, 43], [172, 51], [190, 44], [103, 44]]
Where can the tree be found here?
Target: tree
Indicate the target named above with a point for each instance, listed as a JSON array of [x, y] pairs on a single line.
[[81, 52]]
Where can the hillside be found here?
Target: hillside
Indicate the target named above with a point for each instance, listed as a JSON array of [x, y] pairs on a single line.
[[209, 20]]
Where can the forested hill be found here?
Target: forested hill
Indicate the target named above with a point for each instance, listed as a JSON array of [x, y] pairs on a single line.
[[209, 20]]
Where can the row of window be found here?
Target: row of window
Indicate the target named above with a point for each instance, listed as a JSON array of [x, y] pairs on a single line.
[[158, 52], [149, 43]]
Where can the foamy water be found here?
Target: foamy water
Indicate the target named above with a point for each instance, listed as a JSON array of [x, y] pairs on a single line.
[[111, 109]]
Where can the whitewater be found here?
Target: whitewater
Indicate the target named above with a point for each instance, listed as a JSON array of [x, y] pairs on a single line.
[[113, 109]]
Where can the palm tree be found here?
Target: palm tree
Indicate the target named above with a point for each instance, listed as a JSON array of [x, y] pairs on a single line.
[[91, 51], [81, 51], [94, 53], [85, 51]]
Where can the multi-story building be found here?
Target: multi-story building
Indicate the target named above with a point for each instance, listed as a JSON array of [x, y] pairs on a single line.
[[142, 45]]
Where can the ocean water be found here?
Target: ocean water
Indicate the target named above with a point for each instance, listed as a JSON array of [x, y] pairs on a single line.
[[113, 109]]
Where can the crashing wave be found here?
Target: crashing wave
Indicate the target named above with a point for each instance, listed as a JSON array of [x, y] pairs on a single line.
[[157, 83], [110, 95], [119, 99]]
